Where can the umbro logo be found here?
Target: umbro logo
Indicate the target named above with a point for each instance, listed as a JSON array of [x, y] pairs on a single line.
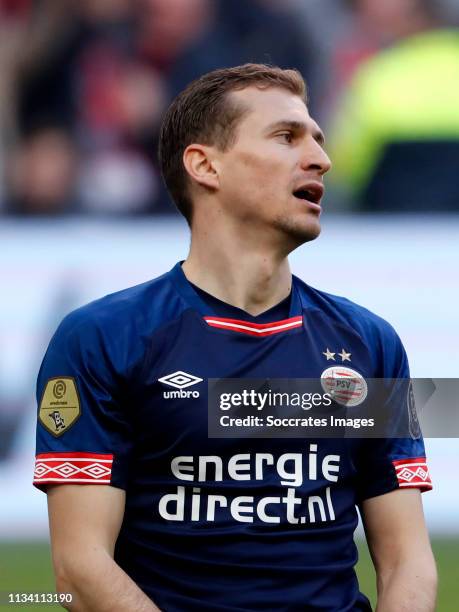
[[180, 380]]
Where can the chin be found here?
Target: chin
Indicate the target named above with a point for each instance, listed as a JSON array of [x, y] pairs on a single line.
[[299, 232]]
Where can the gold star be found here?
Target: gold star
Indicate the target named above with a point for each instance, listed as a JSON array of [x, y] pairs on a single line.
[[329, 355], [344, 356]]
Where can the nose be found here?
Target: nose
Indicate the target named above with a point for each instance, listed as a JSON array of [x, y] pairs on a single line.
[[315, 158]]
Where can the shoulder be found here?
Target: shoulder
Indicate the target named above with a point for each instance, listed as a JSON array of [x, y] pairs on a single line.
[[147, 305], [375, 331], [118, 326]]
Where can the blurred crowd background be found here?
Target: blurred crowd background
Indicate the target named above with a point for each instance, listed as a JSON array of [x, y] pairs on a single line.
[[84, 84]]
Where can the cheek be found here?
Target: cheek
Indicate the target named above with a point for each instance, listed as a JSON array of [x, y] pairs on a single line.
[[258, 173], [258, 163]]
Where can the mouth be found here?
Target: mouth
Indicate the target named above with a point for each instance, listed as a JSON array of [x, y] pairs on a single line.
[[310, 192]]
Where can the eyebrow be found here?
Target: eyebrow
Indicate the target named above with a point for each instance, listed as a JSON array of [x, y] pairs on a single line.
[[297, 126]]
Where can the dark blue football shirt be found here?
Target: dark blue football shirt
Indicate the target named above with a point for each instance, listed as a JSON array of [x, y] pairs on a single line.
[[219, 524]]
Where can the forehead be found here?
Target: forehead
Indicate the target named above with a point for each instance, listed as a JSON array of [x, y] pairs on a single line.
[[269, 105]]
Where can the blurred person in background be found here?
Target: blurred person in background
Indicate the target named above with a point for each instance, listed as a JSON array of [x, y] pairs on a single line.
[[375, 26], [80, 71], [242, 31], [42, 173], [166, 29], [14, 18], [394, 137], [346, 33]]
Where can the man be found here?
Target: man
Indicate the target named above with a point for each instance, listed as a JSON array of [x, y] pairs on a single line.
[[165, 517]]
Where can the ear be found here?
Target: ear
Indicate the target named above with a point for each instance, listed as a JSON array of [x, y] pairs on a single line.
[[198, 161]]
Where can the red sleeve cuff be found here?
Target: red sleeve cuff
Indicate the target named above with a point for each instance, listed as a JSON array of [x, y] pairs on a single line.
[[73, 468], [413, 473]]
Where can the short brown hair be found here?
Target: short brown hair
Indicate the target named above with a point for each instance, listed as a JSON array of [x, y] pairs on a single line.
[[202, 113]]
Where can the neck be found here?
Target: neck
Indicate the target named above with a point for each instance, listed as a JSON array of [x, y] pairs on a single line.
[[237, 271]]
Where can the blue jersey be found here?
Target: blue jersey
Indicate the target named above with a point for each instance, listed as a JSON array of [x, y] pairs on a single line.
[[219, 524]]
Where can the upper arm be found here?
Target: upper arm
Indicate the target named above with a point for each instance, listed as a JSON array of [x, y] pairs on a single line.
[[395, 528], [83, 517], [84, 431]]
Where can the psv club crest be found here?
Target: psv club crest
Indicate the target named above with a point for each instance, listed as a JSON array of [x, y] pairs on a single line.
[[346, 386]]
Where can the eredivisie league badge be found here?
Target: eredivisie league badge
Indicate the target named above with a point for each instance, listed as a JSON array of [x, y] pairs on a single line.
[[60, 405]]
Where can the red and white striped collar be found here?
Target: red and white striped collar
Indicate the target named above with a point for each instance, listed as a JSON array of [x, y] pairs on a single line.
[[255, 329], [191, 297]]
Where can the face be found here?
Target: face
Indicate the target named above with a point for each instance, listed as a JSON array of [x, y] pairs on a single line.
[[272, 176]]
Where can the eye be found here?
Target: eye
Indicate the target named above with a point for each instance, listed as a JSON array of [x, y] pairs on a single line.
[[286, 137]]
